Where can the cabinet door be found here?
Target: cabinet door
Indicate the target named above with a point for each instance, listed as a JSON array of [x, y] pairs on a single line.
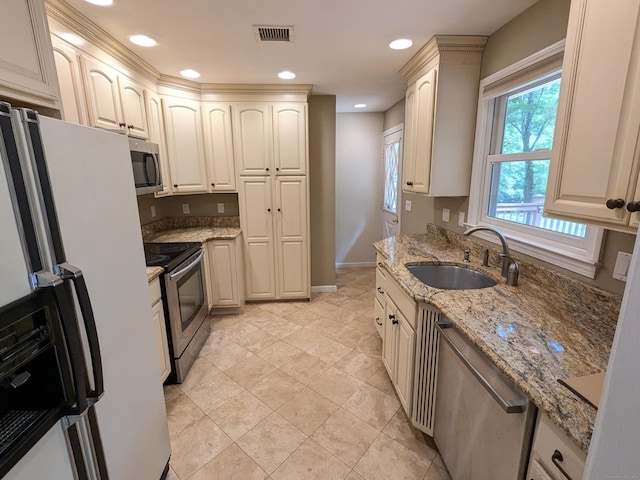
[[132, 96], [423, 139], [290, 139], [253, 139], [219, 147], [389, 339], [406, 345], [183, 123], [155, 122], [67, 60], [104, 96], [378, 317], [160, 329], [256, 215], [598, 113], [27, 69], [225, 276], [408, 150], [291, 237]]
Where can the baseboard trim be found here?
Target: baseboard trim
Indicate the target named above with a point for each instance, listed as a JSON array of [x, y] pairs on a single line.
[[356, 265], [324, 289]]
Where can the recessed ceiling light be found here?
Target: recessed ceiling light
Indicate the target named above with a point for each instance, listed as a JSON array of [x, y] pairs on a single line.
[[102, 3], [401, 44], [287, 75], [188, 73], [143, 40], [360, 105], [72, 38]]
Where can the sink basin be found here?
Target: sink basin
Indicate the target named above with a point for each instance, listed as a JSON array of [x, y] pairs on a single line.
[[450, 277]]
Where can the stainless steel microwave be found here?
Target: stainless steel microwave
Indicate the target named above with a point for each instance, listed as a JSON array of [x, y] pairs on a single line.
[[146, 166]]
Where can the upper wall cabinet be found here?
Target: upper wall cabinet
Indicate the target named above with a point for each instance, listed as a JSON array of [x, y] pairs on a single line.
[[593, 177], [27, 70], [440, 115], [252, 138], [290, 138], [116, 102], [67, 61], [155, 121], [218, 147]]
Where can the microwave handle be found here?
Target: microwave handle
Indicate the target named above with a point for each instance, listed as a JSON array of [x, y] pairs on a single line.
[[156, 168]]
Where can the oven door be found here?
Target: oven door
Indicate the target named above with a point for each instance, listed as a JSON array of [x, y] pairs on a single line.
[[186, 301]]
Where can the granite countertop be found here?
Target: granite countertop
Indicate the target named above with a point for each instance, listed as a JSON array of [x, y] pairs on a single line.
[[546, 328], [194, 234], [153, 273]]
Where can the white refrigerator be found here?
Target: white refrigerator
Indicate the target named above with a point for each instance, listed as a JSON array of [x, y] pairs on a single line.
[[123, 432]]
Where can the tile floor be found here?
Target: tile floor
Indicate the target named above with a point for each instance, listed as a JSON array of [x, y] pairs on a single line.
[[296, 391]]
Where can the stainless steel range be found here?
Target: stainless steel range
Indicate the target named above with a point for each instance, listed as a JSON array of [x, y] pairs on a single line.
[[185, 301]]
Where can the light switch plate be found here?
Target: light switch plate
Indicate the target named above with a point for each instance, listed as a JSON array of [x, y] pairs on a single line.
[[622, 266], [407, 205], [461, 219], [445, 214], [185, 208], [221, 208], [153, 211]]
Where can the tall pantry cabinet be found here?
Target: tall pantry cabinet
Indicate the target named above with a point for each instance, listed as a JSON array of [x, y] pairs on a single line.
[[271, 151]]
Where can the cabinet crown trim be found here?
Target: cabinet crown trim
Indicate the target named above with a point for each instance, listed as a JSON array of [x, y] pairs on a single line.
[[463, 44]]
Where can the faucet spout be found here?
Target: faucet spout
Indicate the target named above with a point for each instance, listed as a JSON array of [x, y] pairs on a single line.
[[506, 253]]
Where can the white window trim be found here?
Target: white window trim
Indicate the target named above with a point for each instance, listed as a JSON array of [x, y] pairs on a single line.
[[582, 258]]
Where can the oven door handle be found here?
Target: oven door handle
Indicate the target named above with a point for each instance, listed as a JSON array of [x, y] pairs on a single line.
[[189, 267]]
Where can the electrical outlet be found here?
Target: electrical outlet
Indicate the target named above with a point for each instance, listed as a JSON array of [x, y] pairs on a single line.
[[621, 269], [461, 219], [445, 214], [153, 211], [221, 208], [185, 208], [407, 205]]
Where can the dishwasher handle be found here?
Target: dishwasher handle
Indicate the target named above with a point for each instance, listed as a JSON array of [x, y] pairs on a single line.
[[515, 405]]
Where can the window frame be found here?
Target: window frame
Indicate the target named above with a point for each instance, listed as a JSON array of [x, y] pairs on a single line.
[[572, 253]]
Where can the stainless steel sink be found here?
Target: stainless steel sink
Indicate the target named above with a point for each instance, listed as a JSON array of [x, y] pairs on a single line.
[[450, 277]]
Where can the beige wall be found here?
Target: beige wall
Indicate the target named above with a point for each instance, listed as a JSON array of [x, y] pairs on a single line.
[[358, 186], [203, 205], [394, 115], [538, 27], [322, 187]]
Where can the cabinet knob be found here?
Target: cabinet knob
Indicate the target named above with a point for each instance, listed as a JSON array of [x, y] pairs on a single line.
[[175, 185], [267, 169], [410, 184], [279, 210], [213, 184], [122, 124], [393, 319], [633, 206], [268, 209], [277, 169], [614, 203], [130, 127]]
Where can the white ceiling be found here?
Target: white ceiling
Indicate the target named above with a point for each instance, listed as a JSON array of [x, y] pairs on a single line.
[[339, 46]]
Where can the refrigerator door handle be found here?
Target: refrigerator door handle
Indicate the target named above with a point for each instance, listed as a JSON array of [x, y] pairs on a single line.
[[69, 272]]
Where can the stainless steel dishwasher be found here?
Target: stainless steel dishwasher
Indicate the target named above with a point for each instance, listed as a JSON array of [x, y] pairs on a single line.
[[483, 423]]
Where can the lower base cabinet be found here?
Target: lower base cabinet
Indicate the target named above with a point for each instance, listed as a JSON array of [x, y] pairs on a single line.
[[553, 455], [160, 329], [224, 274]]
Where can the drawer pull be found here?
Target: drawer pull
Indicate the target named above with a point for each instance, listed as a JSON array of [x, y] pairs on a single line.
[[380, 290], [380, 264], [557, 458], [378, 321]]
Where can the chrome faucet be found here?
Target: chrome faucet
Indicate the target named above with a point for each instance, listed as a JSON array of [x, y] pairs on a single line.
[[510, 268]]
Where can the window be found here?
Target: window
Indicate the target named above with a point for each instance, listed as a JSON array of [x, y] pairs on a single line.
[[514, 142]]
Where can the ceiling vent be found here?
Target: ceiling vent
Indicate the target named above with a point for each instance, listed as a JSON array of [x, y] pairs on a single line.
[[273, 33]]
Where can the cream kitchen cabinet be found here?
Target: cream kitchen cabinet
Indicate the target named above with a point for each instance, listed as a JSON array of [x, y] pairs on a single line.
[[155, 121], [219, 147], [67, 62], [270, 139], [160, 329], [185, 145], [553, 454], [27, 68], [440, 115], [225, 282], [275, 228], [115, 102], [593, 176]]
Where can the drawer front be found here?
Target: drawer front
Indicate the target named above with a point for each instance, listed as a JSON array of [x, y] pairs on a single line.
[[550, 438], [537, 471], [154, 291], [378, 316], [380, 259], [381, 281], [404, 302]]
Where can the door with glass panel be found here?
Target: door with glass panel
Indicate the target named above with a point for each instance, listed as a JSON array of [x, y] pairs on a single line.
[[390, 187]]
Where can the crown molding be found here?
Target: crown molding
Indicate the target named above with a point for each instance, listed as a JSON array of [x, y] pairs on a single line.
[[69, 17], [458, 45]]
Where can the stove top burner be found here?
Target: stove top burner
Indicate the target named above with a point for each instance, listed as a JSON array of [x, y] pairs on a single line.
[[169, 255]]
